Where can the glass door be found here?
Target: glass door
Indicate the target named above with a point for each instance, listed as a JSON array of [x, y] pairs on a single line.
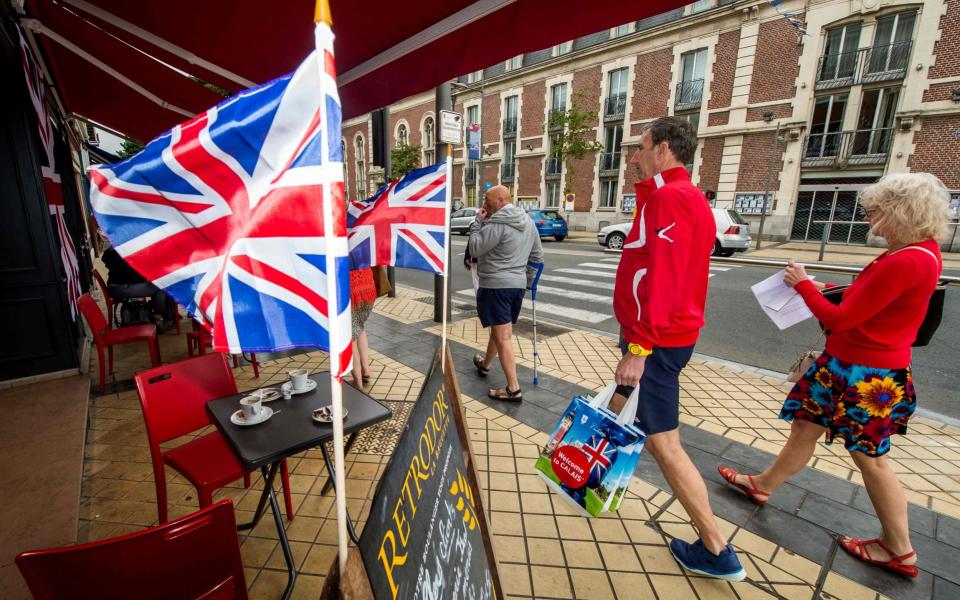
[[826, 126], [891, 43]]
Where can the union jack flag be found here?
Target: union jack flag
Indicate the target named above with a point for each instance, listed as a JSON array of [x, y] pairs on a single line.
[[238, 214], [403, 224], [600, 455]]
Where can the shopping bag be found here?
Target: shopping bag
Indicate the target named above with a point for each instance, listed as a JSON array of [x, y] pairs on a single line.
[[586, 454]]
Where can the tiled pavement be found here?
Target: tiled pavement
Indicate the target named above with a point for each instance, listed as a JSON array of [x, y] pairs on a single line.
[[544, 550]]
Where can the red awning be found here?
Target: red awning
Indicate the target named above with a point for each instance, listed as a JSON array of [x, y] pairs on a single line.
[[385, 51]]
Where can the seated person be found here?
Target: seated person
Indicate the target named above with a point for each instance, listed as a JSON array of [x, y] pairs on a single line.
[[124, 282]]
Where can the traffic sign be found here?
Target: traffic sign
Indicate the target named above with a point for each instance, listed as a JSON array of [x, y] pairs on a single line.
[[451, 127], [569, 201]]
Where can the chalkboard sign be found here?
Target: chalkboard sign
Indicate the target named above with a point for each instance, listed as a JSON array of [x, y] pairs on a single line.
[[426, 536]]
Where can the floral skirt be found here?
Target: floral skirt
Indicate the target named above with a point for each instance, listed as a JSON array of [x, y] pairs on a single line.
[[358, 317], [861, 404]]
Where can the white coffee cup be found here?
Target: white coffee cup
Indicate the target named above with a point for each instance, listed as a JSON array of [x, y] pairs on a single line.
[[299, 379], [251, 406]]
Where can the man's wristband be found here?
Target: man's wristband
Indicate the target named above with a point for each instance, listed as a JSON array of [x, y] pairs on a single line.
[[638, 350]]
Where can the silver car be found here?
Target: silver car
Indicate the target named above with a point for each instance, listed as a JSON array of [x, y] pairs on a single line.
[[733, 233], [460, 220]]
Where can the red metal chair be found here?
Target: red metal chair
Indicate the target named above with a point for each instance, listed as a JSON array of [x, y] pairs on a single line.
[[195, 557], [199, 341], [173, 398], [108, 338], [107, 300]]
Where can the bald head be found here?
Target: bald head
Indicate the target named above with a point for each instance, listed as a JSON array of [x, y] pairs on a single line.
[[496, 198]]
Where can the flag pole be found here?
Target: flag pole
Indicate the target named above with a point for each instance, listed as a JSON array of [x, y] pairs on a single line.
[[446, 257], [322, 16]]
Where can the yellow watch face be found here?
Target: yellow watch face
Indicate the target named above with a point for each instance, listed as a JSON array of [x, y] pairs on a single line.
[[637, 350]]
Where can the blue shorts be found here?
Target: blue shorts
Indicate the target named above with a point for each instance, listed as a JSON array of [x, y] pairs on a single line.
[[658, 409], [499, 306]]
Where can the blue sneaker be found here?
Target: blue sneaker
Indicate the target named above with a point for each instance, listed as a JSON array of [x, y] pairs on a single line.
[[697, 559]]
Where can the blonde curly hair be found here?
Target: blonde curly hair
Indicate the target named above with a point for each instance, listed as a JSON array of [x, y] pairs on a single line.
[[913, 207]]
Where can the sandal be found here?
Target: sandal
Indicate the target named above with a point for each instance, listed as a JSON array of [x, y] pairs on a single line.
[[858, 549], [482, 371], [505, 394], [365, 378], [752, 491]]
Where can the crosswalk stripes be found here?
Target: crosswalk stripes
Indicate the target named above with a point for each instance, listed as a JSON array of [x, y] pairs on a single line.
[[554, 310]]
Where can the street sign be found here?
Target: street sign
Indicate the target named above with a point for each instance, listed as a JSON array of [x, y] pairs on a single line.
[[629, 203], [451, 127], [487, 185], [568, 201]]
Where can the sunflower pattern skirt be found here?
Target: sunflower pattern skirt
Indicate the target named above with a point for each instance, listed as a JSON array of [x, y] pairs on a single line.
[[863, 405]]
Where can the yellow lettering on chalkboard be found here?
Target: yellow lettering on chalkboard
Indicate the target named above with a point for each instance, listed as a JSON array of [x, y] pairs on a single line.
[[394, 560], [403, 526]]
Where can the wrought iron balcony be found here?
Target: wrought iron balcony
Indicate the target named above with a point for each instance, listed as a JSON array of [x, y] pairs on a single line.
[[615, 107], [553, 168], [689, 94], [609, 163], [554, 122], [862, 147], [510, 127], [508, 172], [867, 65], [470, 174]]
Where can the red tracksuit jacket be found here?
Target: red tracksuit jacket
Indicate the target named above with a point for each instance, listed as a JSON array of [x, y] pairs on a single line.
[[661, 286]]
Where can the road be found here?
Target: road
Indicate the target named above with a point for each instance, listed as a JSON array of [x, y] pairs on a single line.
[[577, 288]]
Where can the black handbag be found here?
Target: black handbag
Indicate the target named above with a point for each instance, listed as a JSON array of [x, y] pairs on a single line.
[[931, 321]]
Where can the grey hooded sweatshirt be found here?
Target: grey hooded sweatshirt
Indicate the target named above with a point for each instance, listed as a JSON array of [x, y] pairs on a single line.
[[502, 245]]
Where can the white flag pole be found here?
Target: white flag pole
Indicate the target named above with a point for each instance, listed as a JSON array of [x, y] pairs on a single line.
[[446, 258], [333, 249]]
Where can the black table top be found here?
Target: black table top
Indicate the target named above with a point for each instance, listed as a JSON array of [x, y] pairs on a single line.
[[293, 430]]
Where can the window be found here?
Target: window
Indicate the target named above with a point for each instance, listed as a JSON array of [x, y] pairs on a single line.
[[473, 115], [515, 63], [429, 141], [955, 204], [558, 97], [471, 196], [361, 168], [554, 165], [875, 121], [475, 76], [608, 193], [510, 115], [891, 43], [343, 161], [694, 64], [553, 195], [403, 136], [825, 126], [699, 6], [752, 203], [561, 49], [617, 93], [610, 159], [690, 89], [623, 30], [839, 59], [509, 156]]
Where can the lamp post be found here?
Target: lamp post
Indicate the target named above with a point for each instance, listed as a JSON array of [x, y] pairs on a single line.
[[768, 116]]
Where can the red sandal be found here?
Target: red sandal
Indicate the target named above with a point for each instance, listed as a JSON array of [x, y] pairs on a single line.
[[858, 549], [752, 491]]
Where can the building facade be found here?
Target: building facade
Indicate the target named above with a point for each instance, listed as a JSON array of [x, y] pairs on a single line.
[[871, 87]]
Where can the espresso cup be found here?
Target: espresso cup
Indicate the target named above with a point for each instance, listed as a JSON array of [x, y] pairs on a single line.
[[299, 379], [251, 406]]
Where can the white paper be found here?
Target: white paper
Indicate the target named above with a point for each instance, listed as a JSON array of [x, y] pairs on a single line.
[[780, 302], [476, 277]]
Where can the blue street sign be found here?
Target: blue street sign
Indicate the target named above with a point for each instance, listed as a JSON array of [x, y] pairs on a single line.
[[487, 185]]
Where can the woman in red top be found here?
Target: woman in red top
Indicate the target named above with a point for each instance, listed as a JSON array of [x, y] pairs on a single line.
[[861, 387], [363, 293]]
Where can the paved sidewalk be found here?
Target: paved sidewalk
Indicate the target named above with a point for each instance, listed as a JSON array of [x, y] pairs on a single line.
[[788, 547], [809, 252]]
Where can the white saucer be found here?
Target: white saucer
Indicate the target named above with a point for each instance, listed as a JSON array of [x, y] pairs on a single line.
[[288, 386], [324, 414], [237, 418], [266, 394]]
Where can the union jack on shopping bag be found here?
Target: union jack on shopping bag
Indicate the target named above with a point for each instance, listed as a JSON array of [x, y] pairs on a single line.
[[238, 214], [403, 224]]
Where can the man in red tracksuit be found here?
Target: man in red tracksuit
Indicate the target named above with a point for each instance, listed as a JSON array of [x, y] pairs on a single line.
[[659, 299]]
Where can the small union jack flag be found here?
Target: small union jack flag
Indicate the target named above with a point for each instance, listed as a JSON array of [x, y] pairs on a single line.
[[238, 214], [600, 455], [403, 224]]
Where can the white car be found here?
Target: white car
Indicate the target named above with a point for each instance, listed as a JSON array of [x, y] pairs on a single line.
[[460, 220], [733, 233]]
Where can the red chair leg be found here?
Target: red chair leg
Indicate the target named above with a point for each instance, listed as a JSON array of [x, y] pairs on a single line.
[[110, 360], [156, 343], [154, 351], [287, 497], [236, 362], [256, 366], [204, 497], [161, 484], [102, 367]]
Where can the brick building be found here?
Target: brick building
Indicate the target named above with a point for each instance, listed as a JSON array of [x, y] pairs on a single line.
[[872, 88]]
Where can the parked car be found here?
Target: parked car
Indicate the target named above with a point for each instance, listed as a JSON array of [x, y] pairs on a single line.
[[733, 233], [549, 223], [460, 220]]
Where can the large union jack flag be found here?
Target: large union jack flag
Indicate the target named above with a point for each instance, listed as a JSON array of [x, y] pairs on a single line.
[[238, 213], [403, 224]]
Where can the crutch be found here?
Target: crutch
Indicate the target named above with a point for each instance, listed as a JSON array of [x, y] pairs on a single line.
[[533, 296]]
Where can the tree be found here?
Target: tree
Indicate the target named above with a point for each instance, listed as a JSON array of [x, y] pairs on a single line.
[[575, 138], [128, 148], [403, 159]]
